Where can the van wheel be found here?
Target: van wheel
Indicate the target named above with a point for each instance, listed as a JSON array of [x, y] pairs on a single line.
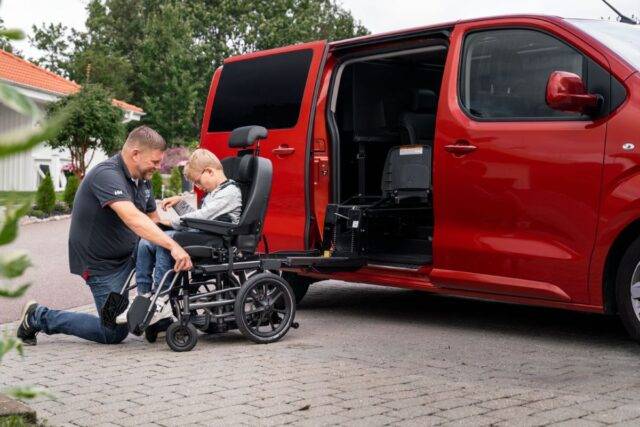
[[299, 284], [628, 290]]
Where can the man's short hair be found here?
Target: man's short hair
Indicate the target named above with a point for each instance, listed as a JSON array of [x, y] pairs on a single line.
[[199, 161], [146, 138]]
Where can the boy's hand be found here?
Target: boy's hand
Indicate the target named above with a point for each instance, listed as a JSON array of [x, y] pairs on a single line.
[[169, 202]]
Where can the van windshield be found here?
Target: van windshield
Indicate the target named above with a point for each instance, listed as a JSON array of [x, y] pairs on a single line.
[[623, 39]]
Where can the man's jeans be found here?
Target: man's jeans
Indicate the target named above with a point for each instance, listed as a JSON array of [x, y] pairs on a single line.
[[84, 325], [152, 262]]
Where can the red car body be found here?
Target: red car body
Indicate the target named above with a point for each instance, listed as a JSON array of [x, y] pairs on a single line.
[[539, 214]]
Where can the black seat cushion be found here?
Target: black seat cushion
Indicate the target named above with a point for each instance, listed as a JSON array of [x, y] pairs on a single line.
[[197, 244]]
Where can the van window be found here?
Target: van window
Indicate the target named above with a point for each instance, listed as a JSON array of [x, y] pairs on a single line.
[[265, 91], [505, 72]]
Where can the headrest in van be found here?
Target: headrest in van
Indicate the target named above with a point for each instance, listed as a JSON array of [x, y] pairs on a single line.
[[424, 101]]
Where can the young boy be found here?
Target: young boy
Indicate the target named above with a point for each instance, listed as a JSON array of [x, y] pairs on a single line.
[[223, 202]]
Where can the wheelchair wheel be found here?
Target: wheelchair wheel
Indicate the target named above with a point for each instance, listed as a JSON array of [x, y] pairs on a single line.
[[265, 308], [182, 337]]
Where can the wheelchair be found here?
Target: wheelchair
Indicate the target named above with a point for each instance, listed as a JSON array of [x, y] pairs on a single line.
[[230, 286]]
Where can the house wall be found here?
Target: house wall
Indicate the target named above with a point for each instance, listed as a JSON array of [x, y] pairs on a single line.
[[21, 172]]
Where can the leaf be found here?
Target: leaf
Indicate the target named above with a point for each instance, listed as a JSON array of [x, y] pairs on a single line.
[[9, 229], [24, 139], [18, 102], [8, 343], [14, 293], [14, 264], [27, 393], [12, 33]]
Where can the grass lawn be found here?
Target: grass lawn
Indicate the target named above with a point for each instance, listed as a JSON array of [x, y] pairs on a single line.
[[19, 197]]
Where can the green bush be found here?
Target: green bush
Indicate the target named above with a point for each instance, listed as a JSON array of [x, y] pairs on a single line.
[[168, 193], [175, 182], [37, 213], [156, 185], [46, 195], [70, 190]]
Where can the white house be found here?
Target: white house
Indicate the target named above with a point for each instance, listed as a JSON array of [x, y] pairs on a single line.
[[24, 171]]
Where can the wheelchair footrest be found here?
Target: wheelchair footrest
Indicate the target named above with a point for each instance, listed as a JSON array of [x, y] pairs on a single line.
[[138, 315]]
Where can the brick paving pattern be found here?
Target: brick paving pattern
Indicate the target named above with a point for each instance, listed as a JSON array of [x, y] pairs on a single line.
[[363, 356]]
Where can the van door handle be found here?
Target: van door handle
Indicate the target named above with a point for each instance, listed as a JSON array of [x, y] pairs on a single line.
[[460, 148], [283, 150]]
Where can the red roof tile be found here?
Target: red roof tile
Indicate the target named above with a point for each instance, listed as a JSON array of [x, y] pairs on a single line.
[[19, 71]]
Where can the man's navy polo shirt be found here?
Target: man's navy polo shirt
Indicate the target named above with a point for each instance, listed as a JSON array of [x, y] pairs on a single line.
[[99, 242]]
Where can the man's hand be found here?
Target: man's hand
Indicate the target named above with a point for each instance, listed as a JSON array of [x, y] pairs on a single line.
[[183, 260], [169, 202]]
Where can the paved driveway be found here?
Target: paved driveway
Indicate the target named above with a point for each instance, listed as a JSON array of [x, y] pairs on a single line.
[[363, 355]]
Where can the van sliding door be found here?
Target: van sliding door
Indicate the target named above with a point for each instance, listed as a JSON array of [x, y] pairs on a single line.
[[275, 89]]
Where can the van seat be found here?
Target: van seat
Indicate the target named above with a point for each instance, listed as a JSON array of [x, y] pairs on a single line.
[[407, 172], [418, 125]]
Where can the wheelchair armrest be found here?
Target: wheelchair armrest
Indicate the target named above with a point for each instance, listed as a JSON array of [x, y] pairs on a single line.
[[210, 226]]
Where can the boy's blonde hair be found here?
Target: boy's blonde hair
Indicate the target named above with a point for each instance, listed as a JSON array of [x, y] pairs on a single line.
[[199, 161]]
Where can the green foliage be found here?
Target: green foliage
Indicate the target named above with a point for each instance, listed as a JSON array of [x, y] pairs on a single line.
[[156, 185], [175, 181], [13, 264], [46, 195], [93, 123], [160, 54], [36, 213], [70, 190]]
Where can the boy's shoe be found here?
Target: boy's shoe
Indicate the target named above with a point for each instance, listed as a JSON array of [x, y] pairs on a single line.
[[122, 317], [26, 330], [163, 310]]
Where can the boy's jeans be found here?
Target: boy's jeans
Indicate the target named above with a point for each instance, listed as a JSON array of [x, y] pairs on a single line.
[[150, 256], [85, 325]]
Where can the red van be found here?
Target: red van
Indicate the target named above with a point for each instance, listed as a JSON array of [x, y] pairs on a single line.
[[492, 158]]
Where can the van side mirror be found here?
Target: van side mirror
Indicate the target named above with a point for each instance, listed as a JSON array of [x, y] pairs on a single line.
[[566, 92]]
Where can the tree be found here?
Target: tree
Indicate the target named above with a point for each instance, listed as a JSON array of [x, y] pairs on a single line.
[[175, 181], [46, 195], [160, 54], [94, 123], [70, 190], [5, 40]]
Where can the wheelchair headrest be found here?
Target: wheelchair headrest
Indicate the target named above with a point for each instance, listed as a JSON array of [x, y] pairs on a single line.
[[246, 136]]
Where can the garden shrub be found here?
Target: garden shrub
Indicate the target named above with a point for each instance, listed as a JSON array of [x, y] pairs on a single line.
[[70, 190], [46, 195]]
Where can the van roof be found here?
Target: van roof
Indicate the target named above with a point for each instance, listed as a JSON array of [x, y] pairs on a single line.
[[428, 28]]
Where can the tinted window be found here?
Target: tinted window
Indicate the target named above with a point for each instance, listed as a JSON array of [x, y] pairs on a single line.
[[505, 73], [265, 91]]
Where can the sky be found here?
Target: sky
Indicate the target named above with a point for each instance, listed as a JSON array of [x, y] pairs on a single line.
[[377, 15]]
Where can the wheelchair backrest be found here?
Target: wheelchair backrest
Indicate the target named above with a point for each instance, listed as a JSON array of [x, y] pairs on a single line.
[[254, 175]]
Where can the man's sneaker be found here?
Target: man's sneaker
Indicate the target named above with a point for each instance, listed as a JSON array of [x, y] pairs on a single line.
[[122, 317], [163, 310], [26, 330]]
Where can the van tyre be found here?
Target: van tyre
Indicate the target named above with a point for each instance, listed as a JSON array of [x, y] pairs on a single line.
[[628, 290], [299, 284]]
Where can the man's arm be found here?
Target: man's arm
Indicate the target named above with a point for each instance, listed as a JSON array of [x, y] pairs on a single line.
[[153, 216], [143, 226]]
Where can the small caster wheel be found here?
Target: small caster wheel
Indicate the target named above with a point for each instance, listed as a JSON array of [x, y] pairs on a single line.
[[182, 337]]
